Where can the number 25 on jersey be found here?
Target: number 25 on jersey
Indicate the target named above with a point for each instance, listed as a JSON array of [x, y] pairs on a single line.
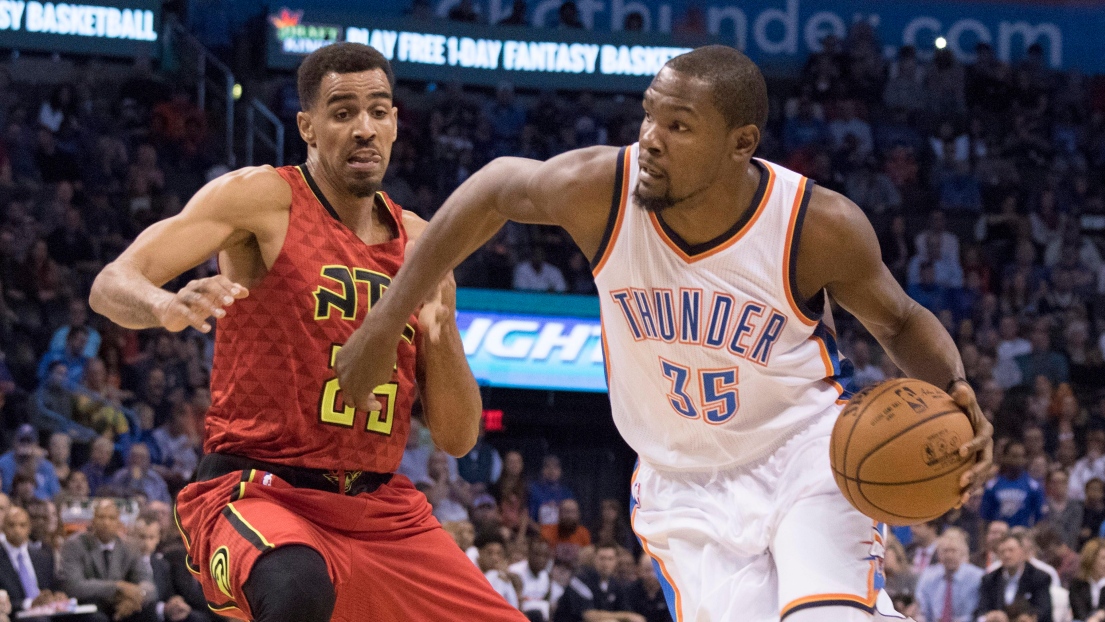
[[379, 421], [716, 388]]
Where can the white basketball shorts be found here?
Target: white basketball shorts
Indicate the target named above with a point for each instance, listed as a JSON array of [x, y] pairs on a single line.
[[761, 542]]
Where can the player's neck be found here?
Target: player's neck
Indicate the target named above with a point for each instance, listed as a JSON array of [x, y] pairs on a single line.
[[357, 213], [714, 211]]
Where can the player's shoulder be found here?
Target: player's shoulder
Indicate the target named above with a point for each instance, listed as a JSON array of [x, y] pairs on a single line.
[[833, 212], [413, 224], [251, 188], [590, 170]]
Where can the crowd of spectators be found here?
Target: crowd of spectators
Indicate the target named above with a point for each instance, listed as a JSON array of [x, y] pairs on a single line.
[[982, 178]]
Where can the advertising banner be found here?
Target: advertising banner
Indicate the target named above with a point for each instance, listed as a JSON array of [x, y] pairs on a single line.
[[109, 27], [779, 34], [509, 343], [445, 51]]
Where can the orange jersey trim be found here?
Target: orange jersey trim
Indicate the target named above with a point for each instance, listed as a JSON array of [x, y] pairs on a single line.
[[659, 562], [759, 210], [788, 253], [624, 198]]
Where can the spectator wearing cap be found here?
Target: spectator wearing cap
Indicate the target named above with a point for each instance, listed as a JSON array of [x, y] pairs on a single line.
[[26, 458]]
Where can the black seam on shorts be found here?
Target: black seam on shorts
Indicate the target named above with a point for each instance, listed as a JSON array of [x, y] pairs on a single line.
[[244, 530]]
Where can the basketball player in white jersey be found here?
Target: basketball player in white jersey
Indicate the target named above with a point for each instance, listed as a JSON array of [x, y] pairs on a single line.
[[714, 272]]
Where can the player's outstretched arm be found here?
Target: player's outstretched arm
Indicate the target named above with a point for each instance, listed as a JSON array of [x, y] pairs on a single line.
[[227, 211], [840, 252], [572, 190], [450, 396]]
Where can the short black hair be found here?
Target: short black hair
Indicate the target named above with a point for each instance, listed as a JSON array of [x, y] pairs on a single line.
[[488, 536], [738, 87], [342, 57]]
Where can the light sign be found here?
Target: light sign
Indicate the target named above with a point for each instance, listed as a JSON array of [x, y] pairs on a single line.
[[479, 54], [533, 351], [118, 29]]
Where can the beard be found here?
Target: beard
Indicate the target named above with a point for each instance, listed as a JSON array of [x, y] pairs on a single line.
[[363, 187], [654, 204]]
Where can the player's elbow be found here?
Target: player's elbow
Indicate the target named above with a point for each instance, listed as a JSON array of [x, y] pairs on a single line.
[[458, 439], [97, 298]]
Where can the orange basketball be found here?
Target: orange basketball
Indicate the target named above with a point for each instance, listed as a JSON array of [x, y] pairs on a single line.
[[895, 451]]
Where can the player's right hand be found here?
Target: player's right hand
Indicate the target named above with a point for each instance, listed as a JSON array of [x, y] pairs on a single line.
[[197, 301], [365, 362]]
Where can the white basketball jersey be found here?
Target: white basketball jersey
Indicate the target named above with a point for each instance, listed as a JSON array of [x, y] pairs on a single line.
[[712, 359]]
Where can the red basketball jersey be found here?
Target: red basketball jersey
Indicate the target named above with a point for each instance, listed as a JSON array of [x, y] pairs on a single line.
[[274, 393]]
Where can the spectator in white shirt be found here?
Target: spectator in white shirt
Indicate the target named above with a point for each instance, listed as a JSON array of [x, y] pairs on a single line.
[[539, 275], [492, 562], [1090, 466], [949, 272], [1012, 344], [536, 582]]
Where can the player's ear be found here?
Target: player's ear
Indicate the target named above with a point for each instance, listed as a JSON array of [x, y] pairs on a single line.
[[744, 140], [306, 128]]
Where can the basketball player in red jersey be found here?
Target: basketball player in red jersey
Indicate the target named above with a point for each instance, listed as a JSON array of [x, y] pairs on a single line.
[[296, 514]]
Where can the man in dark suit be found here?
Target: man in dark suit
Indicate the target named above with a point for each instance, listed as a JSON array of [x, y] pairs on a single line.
[[173, 588], [26, 573], [1016, 581], [100, 568]]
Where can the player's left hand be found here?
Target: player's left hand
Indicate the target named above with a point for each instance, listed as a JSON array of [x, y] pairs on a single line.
[[440, 309], [982, 445]]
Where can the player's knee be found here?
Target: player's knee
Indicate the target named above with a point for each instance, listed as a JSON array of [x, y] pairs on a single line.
[[290, 584]]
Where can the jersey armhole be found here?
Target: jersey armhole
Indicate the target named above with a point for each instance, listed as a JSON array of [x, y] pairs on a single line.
[[800, 306], [617, 207]]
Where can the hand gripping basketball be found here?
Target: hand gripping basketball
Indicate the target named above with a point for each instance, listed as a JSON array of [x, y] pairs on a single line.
[[197, 301], [981, 445]]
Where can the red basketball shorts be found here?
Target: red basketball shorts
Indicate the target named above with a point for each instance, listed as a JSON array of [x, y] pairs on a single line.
[[387, 555]]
